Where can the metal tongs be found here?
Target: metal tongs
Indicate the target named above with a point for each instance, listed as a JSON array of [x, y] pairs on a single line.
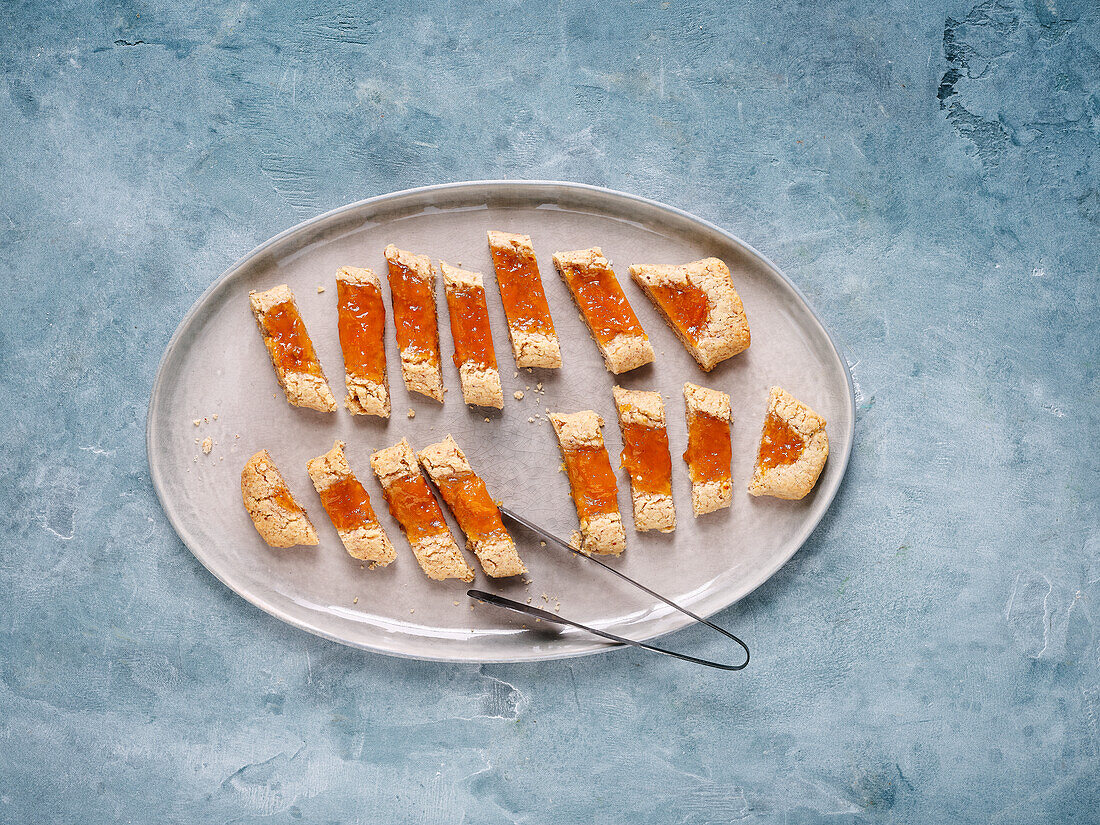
[[509, 604]]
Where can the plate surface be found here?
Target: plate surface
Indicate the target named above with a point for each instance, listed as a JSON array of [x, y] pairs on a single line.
[[216, 364]]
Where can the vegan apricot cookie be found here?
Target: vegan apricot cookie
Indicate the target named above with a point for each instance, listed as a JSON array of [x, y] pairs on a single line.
[[610, 318], [412, 291], [530, 327], [699, 302], [361, 321], [709, 451], [348, 505], [646, 458], [793, 448], [278, 518], [288, 344], [591, 480], [473, 339]]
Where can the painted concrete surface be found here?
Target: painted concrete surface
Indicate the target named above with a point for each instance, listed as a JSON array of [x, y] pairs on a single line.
[[928, 175]]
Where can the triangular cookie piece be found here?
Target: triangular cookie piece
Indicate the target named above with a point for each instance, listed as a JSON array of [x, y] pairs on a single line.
[[793, 448], [700, 304]]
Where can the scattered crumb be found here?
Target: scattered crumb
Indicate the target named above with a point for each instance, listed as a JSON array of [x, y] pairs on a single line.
[[238, 435], [456, 603], [196, 459], [514, 375], [198, 441], [527, 387], [542, 544], [486, 420], [215, 416], [545, 598], [412, 609], [411, 413], [320, 289], [362, 566], [530, 420], [518, 395], [538, 387], [538, 620], [528, 600], [221, 458], [529, 369], [356, 599], [196, 422], [207, 445]]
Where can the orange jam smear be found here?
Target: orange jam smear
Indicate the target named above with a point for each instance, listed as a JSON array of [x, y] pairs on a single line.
[[779, 444], [288, 341], [474, 509], [285, 500], [602, 302], [361, 320], [686, 306], [414, 313], [592, 481], [470, 326], [521, 290], [646, 458], [415, 508], [348, 504], [709, 452]]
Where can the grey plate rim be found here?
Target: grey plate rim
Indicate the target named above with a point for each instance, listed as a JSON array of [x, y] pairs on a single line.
[[598, 646]]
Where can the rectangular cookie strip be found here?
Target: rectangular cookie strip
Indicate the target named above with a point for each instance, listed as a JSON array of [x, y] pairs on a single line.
[[646, 458], [699, 302], [414, 507], [278, 518], [412, 291], [591, 480], [361, 320], [793, 448], [530, 327], [610, 318], [709, 450], [348, 506], [473, 339], [473, 508], [288, 344]]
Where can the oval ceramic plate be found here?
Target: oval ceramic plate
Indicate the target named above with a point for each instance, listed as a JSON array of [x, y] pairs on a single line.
[[216, 365]]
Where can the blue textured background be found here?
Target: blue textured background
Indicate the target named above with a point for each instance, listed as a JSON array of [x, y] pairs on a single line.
[[926, 172]]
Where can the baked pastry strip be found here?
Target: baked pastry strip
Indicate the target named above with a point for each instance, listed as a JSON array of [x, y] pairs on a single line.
[[414, 507], [278, 518], [610, 318], [709, 449], [530, 327], [591, 480], [646, 458], [361, 321], [473, 508], [297, 369], [348, 505], [699, 302], [473, 338], [412, 292], [793, 448]]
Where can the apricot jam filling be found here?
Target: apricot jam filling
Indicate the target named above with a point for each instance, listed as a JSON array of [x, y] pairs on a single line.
[[686, 306], [602, 302], [474, 509], [361, 320], [415, 508], [709, 453], [591, 480], [414, 313], [348, 504], [521, 290], [779, 444], [470, 326], [291, 349], [646, 458], [284, 500]]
